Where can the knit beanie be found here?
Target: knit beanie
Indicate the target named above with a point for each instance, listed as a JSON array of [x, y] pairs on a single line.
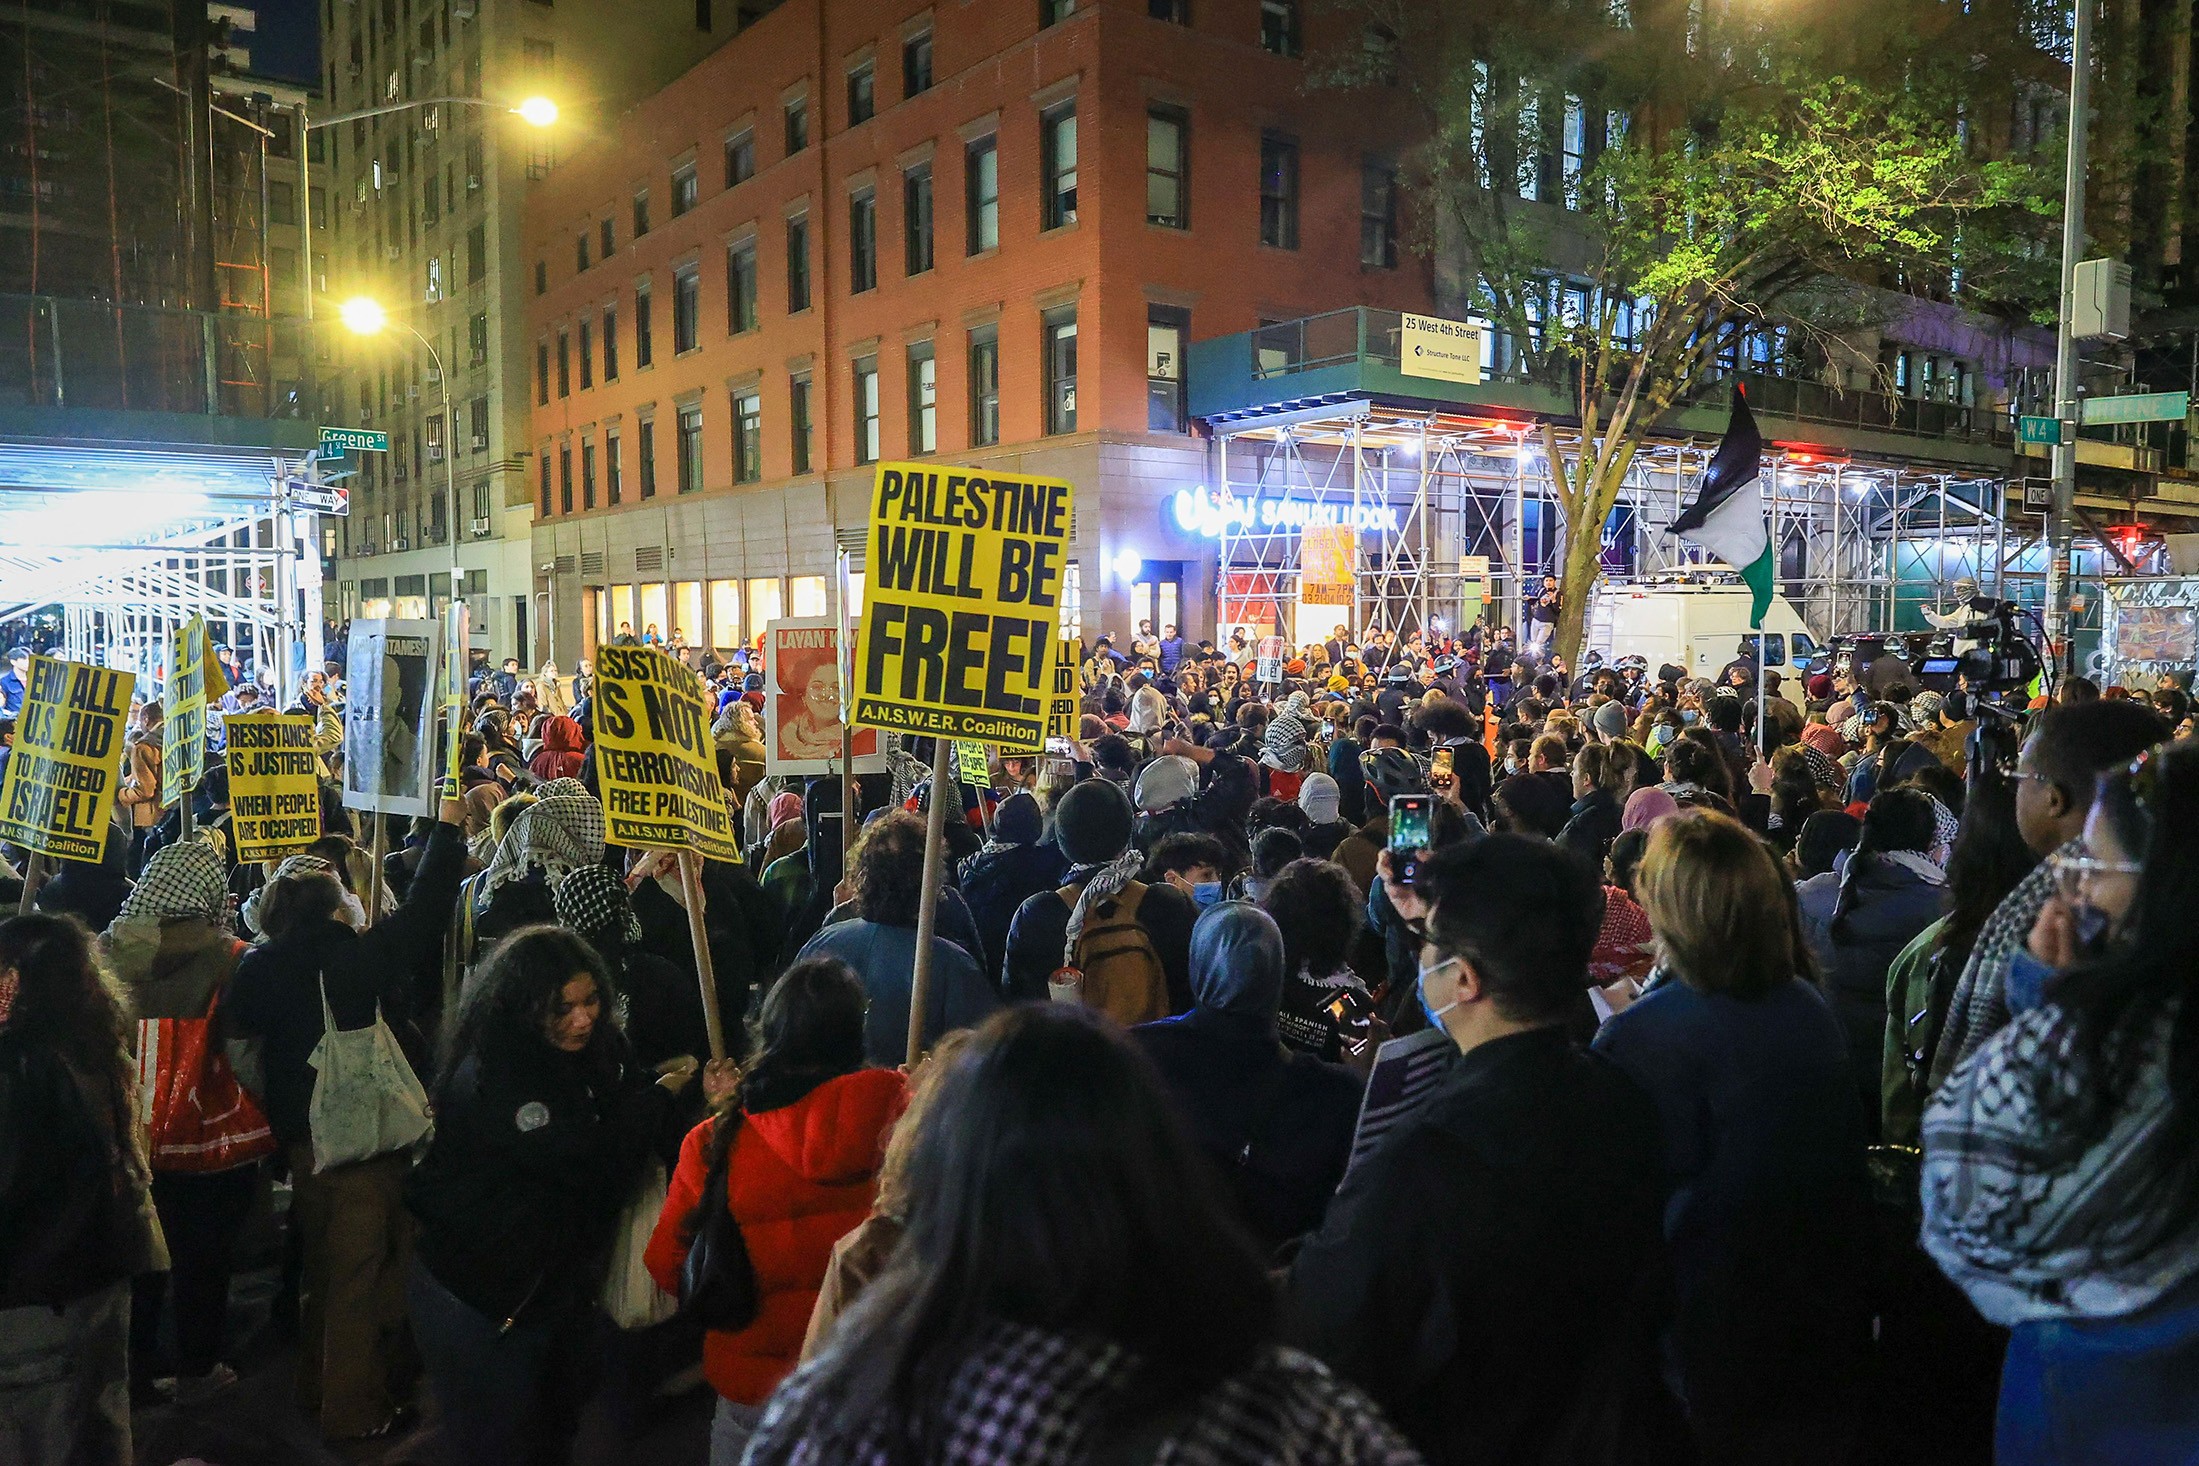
[[1092, 822], [1319, 797]]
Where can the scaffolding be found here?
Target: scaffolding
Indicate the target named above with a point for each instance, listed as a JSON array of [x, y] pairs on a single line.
[[1863, 544]]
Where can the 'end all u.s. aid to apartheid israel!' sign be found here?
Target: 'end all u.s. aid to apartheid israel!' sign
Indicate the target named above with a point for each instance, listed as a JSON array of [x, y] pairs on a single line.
[[961, 603], [67, 763]]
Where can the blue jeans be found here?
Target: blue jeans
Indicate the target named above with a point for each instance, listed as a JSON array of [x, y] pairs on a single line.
[[2103, 1392], [730, 1429], [510, 1398]]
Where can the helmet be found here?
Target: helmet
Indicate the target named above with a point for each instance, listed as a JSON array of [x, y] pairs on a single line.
[[1393, 771]]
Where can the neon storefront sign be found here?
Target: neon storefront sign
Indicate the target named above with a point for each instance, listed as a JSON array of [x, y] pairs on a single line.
[[1214, 515]]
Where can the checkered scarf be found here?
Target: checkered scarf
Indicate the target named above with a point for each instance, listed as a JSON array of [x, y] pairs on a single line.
[[2027, 1222], [1825, 772], [559, 833], [180, 880], [1039, 1398], [593, 902], [296, 865], [1979, 1007], [552, 788], [1284, 747]]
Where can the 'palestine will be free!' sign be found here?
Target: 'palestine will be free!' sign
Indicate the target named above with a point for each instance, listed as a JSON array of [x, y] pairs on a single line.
[[962, 603]]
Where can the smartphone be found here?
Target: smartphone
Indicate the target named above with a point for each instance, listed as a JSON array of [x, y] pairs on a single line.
[[1058, 747], [1439, 766], [1411, 817]]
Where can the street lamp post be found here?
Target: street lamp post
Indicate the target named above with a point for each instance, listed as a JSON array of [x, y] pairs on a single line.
[[365, 317], [2060, 529]]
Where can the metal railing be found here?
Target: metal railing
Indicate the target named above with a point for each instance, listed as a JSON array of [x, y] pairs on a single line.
[[96, 355], [1363, 333]]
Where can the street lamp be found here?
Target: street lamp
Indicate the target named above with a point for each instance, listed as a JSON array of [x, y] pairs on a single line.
[[535, 111], [364, 316]]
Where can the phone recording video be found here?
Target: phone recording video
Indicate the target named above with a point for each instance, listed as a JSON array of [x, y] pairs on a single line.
[[1411, 827]]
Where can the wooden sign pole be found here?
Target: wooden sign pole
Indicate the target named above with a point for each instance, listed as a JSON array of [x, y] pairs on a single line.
[[927, 907], [374, 863], [698, 932], [34, 876]]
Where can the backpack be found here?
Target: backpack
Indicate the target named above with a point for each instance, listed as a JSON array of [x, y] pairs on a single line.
[[1123, 977]]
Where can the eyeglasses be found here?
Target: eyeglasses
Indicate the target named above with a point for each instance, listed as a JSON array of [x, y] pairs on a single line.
[[2075, 871], [2007, 769]]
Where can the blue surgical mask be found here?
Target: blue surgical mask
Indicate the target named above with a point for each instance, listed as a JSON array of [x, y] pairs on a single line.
[[1207, 893], [1420, 990], [1690, 715]]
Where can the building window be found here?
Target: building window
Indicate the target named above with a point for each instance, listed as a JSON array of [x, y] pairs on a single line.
[[542, 374], [984, 386], [866, 409], [686, 308], [862, 92], [981, 187], [565, 478], [613, 478], [740, 287], [1279, 26], [797, 125], [916, 218], [608, 245], [580, 253], [798, 418], [797, 263], [541, 277], [1175, 12], [610, 343], [916, 64], [477, 339], [1057, 136], [477, 420], [587, 473], [1053, 12], [1377, 216], [1165, 331], [641, 213], [1167, 167], [740, 157], [1058, 336], [587, 355], [862, 240], [690, 448], [477, 254], [282, 201], [1278, 191], [545, 460], [748, 437], [1573, 150], [923, 399], [647, 429], [644, 342], [684, 189]]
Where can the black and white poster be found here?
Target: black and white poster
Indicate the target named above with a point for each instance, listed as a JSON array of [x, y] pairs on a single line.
[[390, 751]]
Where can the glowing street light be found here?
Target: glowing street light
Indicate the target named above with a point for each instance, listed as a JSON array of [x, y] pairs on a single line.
[[363, 316], [537, 111]]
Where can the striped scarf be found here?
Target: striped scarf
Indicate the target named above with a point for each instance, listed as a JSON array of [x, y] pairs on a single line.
[[1979, 1008]]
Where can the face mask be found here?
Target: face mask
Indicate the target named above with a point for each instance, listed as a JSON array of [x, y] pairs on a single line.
[[1690, 715], [354, 912], [1511, 765], [1207, 893], [1420, 989]]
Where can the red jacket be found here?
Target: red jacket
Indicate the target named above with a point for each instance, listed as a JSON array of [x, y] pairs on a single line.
[[802, 1177], [560, 754]]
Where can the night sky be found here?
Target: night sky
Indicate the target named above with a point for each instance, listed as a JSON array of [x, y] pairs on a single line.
[[288, 44]]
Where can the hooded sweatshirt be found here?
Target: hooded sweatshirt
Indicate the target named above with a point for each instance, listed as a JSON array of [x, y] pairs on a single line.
[[560, 755], [801, 1177], [1278, 1124]]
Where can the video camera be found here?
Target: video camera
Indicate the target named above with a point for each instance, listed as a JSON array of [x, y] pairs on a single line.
[[1999, 659]]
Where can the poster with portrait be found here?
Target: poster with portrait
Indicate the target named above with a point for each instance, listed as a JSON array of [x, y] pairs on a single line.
[[390, 752], [802, 705]]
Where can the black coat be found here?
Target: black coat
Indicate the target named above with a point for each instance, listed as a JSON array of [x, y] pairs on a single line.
[[395, 963], [1594, 825], [1484, 1270], [995, 883]]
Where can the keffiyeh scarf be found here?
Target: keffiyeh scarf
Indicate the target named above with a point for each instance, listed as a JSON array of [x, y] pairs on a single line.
[[557, 834], [180, 880], [296, 865], [1102, 884], [1284, 747], [1979, 1007], [593, 902], [2027, 1223]]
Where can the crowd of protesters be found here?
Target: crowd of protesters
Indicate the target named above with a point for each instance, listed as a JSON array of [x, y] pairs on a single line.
[[1817, 1080]]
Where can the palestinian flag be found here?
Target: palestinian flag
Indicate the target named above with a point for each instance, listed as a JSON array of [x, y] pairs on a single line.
[[1727, 517]]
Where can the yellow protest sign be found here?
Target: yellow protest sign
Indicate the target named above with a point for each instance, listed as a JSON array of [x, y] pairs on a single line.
[[194, 680], [455, 655], [274, 784], [59, 798], [962, 601], [655, 762]]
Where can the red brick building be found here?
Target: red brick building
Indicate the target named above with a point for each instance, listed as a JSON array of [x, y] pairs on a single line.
[[886, 229]]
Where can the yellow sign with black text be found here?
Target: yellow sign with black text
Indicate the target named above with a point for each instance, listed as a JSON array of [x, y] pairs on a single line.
[[194, 680], [961, 603], [59, 798], [274, 784], [655, 761]]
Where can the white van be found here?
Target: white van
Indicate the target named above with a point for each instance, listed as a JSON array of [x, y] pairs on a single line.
[[1699, 627]]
